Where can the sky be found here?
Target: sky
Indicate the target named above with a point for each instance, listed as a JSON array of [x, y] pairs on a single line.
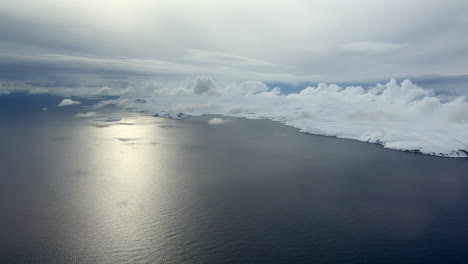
[[117, 46]]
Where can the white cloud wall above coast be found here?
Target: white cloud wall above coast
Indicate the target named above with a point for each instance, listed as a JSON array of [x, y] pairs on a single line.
[[400, 116]]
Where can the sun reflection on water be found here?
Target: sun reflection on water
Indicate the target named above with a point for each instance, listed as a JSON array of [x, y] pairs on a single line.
[[123, 188]]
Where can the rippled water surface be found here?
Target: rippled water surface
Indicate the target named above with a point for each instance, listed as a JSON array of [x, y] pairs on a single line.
[[149, 190]]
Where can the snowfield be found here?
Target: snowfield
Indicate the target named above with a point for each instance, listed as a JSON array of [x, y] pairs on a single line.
[[401, 116]]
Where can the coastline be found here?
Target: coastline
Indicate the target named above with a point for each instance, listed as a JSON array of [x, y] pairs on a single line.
[[462, 154]]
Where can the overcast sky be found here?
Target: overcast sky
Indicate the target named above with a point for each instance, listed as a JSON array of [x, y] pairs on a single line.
[[91, 43]]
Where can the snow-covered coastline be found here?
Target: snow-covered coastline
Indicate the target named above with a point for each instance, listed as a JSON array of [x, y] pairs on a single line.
[[397, 116]]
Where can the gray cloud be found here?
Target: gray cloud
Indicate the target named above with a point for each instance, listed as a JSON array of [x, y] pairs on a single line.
[[133, 43], [202, 85]]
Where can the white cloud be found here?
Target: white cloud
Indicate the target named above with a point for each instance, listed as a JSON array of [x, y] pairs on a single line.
[[250, 87], [68, 102], [4, 92], [85, 115], [44, 109], [217, 121]]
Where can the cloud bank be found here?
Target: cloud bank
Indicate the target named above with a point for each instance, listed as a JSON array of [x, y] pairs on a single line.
[[401, 116]]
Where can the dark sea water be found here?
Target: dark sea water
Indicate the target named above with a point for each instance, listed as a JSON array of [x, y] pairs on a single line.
[[150, 190]]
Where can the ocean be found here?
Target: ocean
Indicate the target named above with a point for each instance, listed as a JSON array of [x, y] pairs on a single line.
[[152, 190]]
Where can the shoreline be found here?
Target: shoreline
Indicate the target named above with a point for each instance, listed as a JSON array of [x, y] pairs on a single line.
[[183, 116]]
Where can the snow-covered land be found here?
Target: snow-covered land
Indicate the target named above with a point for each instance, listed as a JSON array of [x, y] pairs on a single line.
[[398, 116]]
